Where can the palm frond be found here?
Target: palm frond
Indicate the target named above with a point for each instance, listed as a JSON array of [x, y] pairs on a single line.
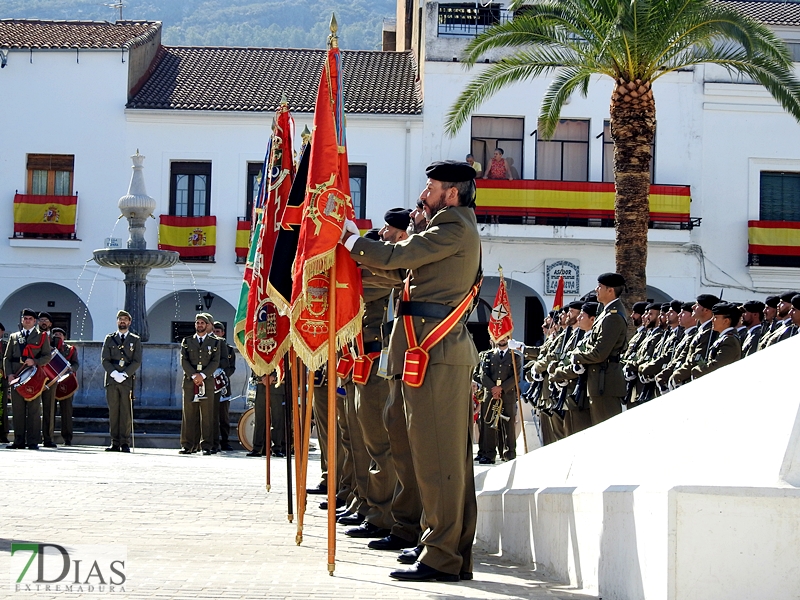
[[561, 88]]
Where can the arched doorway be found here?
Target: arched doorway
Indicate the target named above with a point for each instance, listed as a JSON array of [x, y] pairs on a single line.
[[66, 308], [171, 317], [527, 311]]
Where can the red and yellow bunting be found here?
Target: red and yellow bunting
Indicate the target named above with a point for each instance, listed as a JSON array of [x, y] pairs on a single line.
[[777, 238], [45, 215], [189, 236], [572, 199]]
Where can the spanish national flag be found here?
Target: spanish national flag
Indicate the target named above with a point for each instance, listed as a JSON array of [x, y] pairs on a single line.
[[189, 236], [45, 215], [242, 238]]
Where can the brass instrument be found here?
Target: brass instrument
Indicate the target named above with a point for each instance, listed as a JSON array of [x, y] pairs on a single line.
[[495, 413]]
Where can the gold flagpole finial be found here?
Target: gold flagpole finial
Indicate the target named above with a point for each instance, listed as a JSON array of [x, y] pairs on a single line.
[[305, 135], [500, 269], [284, 101], [333, 39]]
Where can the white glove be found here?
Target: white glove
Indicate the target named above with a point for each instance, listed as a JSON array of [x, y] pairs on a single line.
[[119, 377], [629, 373], [578, 368], [351, 227], [562, 384]]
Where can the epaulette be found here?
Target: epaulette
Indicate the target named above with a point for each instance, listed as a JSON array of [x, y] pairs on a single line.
[[613, 311]]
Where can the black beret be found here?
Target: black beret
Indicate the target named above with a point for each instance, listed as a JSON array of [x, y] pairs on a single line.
[[398, 217], [665, 307], [687, 306], [727, 309], [611, 279], [707, 300], [640, 307], [373, 234], [653, 306], [45, 315], [796, 301], [28, 312], [772, 301], [754, 306], [591, 308], [553, 314], [58, 330], [451, 171], [676, 305], [590, 297], [788, 295], [575, 304]]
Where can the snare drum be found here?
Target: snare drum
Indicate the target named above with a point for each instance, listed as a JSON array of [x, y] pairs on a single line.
[[67, 387], [58, 368], [247, 429], [29, 383], [221, 383]]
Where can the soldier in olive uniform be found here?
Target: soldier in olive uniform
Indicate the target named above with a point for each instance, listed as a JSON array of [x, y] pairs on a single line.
[[3, 392], [70, 353], [688, 323], [444, 263], [752, 317], [663, 352], [28, 347], [48, 394], [122, 357], [500, 382], [199, 359], [601, 350], [727, 348], [227, 362], [783, 329], [698, 347]]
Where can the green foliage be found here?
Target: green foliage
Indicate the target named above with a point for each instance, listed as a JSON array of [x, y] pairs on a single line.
[[270, 23], [627, 40]]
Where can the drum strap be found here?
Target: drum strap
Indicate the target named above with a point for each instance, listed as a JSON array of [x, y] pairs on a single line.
[[27, 351]]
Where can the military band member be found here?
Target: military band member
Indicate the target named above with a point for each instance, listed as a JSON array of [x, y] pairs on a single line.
[[49, 394], [3, 391], [199, 359], [443, 263], [227, 362], [700, 343], [727, 348], [600, 354], [121, 358], [752, 318], [500, 382], [70, 353], [28, 347]]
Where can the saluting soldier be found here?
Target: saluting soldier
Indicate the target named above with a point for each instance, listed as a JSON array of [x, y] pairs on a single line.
[[121, 358], [700, 343], [752, 317], [28, 347], [727, 348], [600, 354], [199, 359], [69, 352], [444, 266]]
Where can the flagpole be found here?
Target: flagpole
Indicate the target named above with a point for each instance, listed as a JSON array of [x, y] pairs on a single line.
[[290, 430], [296, 365], [301, 457], [268, 434], [306, 443], [333, 430], [519, 399]]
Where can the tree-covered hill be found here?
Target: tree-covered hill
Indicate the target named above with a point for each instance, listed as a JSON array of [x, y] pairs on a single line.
[[270, 23]]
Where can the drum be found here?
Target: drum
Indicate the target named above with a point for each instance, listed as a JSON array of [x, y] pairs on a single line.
[[58, 368], [29, 383], [67, 386], [221, 383], [247, 429]]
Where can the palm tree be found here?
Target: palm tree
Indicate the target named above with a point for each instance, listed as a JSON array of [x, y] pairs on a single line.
[[634, 42]]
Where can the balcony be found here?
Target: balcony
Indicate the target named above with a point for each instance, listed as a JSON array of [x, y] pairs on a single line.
[[194, 238], [469, 20], [575, 204], [45, 217], [773, 244]]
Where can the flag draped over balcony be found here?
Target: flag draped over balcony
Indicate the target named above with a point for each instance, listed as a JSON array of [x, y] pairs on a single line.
[[188, 236], [500, 323], [44, 215], [327, 204], [265, 327]]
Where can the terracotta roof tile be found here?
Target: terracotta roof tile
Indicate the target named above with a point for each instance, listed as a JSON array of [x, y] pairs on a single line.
[[253, 79], [769, 12], [24, 34]]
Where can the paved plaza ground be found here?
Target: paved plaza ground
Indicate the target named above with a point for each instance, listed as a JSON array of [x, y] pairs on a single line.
[[205, 527]]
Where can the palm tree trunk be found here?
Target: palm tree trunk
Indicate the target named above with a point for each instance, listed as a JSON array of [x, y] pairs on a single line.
[[633, 113]]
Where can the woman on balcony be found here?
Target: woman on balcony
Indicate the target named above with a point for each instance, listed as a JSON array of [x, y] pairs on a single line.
[[498, 167]]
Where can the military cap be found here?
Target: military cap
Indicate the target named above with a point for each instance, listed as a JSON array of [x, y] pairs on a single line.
[[727, 309], [451, 171], [577, 304], [210, 318], [204, 317], [45, 315], [772, 301], [590, 297], [796, 301], [665, 307], [653, 306], [219, 325], [398, 217], [707, 301], [788, 295], [591, 308], [28, 312], [639, 307], [754, 306], [58, 330], [123, 313], [687, 306], [373, 234], [676, 305], [611, 279]]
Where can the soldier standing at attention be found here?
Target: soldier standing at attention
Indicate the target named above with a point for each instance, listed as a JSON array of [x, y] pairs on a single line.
[[69, 352], [28, 347], [444, 265], [3, 392], [727, 348], [199, 359], [122, 357], [600, 352], [49, 394], [227, 362], [501, 385]]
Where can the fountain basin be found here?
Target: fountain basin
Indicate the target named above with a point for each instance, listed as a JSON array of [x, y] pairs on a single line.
[[127, 257]]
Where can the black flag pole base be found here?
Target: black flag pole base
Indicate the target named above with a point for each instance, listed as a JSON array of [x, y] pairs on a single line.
[[331, 568], [269, 487], [290, 516]]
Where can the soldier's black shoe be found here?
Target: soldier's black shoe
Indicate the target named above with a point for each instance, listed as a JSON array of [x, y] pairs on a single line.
[[115, 448], [124, 448], [214, 450], [465, 576], [366, 530], [339, 504], [14, 447], [33, 447], [181, 451], [354, 519], [253, 453], [409, 557], [49, 445], [422, 572], [227, 448], [390, 542], [206, 452], [320, 489], [486, 461], [68, 442]]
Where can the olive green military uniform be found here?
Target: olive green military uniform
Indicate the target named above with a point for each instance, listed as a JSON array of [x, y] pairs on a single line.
[[725, 350], [576, 417], [629, 366], [49, 408], [65, 404], [540, 370], [277, 417], [554, 357], [227, 362], [197, 422], [443, 261], [600, 355], [750, 344], [501, 369], [125, 356], [678, 356], [695, 353], [27, 413]]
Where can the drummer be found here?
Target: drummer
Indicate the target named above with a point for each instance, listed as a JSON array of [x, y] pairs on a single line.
[[49, 394], [27, 348], [69, 352]]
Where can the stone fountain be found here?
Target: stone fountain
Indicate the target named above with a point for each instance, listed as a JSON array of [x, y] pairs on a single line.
[[136, 260]]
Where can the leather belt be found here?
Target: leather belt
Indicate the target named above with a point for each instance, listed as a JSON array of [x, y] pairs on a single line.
[[370, 347], [430, 310]]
